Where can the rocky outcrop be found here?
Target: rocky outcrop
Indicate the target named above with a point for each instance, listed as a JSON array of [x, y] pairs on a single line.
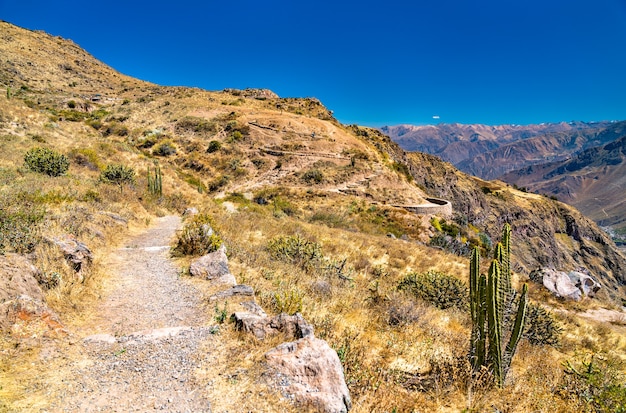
[[309, 371], [573, 285], [214, 267], [21, 298]]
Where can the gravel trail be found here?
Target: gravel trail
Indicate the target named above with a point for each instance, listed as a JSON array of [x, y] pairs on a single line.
[[142, 348]]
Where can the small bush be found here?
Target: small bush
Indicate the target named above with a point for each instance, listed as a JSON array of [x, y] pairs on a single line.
[[214, 146], [165, 148], [46, 161], [19, 225], [86, 157], [439, 289], [118, 174], [296, 250], [313, 176], [598, 384], [541, 327], [289, 302], [197, 237]]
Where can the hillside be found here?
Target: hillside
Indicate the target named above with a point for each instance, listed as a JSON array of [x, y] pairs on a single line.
[[334, 222], [592, 180]]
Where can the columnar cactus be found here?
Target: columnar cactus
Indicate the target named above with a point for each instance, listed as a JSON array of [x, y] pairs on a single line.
[[155, 183], [491, 301]]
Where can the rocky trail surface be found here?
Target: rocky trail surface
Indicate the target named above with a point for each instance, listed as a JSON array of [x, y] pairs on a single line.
[[141, 348]]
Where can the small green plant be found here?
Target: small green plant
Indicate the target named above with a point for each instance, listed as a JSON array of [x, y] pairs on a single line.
[[155, 183], [197, 237], [439, 289], [118, 174], [289, 302], [221, 314], [46, 161], [8, 92]]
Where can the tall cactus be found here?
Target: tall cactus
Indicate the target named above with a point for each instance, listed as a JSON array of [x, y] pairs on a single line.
[[155, 183], [491, 300]]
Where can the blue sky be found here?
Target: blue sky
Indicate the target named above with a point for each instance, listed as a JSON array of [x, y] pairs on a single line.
[[372, 63]]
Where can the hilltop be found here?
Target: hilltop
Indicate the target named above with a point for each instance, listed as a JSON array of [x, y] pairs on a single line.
[[329, 220]]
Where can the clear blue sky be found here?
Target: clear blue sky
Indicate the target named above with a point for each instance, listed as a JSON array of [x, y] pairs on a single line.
[[373, 63]]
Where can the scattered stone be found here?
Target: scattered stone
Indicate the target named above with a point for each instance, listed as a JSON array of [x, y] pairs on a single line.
[[241, 289], [253, 308], [290, 325], [75, 252], [214, 267], [100, 338], [309, 371], [190, 212]]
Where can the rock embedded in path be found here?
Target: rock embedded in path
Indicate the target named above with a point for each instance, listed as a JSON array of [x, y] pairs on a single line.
[[213, 267], [237, 290], [292, 326], [309, 371]]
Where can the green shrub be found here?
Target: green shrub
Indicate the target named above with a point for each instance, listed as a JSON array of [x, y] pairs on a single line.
[[86, 157], [214, 146], [118, 174], [46, 161], [542, 329], [599, 384], [165, 148], [296, 250], [313, 176], [441, 290], [197, 237], [289, 302]]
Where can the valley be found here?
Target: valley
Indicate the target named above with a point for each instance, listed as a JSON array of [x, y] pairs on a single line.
[[336, 224]]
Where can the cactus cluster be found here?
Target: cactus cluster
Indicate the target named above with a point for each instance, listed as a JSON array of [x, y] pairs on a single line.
[[155, 183], [491, 306]]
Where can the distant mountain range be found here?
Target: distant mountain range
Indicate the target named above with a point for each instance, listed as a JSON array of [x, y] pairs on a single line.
[[577, 162]]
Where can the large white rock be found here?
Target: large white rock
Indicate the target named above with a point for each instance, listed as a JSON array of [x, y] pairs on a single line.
[[309, 371]]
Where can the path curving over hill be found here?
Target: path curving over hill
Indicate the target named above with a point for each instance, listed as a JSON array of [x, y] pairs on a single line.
[[141, 347]]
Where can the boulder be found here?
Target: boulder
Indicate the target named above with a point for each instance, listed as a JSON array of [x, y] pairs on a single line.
[[585, 283], [213, 267], [292, 326], [76, 253], [557, 282], [309, 372]]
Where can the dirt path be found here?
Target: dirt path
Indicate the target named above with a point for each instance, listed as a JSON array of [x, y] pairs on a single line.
[[140, 351]]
